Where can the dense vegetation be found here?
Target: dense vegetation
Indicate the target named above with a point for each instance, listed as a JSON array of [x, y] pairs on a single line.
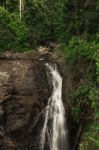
[[74, 25], [81, 61], [44, 21]]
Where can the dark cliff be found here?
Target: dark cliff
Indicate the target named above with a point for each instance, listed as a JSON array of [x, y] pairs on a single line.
[[24, 92]]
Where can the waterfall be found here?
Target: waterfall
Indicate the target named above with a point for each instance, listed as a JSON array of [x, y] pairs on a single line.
[[21, 7], [54, 131]]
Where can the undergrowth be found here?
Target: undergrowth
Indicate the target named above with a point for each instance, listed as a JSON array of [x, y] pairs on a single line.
[[84, 99]]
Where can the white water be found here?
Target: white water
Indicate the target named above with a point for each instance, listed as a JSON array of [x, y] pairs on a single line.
[[54, 131]]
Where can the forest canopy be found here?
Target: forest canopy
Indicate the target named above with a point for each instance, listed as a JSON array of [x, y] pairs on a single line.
[[45, 21]]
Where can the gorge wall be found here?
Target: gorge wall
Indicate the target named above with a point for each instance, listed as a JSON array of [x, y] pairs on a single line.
[[24, 92]]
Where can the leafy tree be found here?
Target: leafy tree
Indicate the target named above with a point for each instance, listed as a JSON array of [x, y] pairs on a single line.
[[13, 33], [44, 20], [82, 17], [12, 6], [56, 20]]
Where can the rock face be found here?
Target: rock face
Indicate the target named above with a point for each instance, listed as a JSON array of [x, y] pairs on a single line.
[[24, 92]]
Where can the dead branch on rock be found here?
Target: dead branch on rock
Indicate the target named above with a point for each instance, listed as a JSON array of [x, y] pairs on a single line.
[[36, 119]]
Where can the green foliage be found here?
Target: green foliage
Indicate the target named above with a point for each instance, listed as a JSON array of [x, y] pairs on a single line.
[[84, 99], [90, 138], [44, 20], [12, 6], [13, 33], [52, 21], [97, 66], [19, 29], [86, 93], [76, 113], [78, 47], [82, 17], [85, 105]]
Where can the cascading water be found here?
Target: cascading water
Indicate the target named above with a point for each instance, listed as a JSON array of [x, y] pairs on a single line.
[[54, 131]]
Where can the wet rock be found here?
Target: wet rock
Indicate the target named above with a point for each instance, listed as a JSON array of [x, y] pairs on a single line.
[[24, 92]]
